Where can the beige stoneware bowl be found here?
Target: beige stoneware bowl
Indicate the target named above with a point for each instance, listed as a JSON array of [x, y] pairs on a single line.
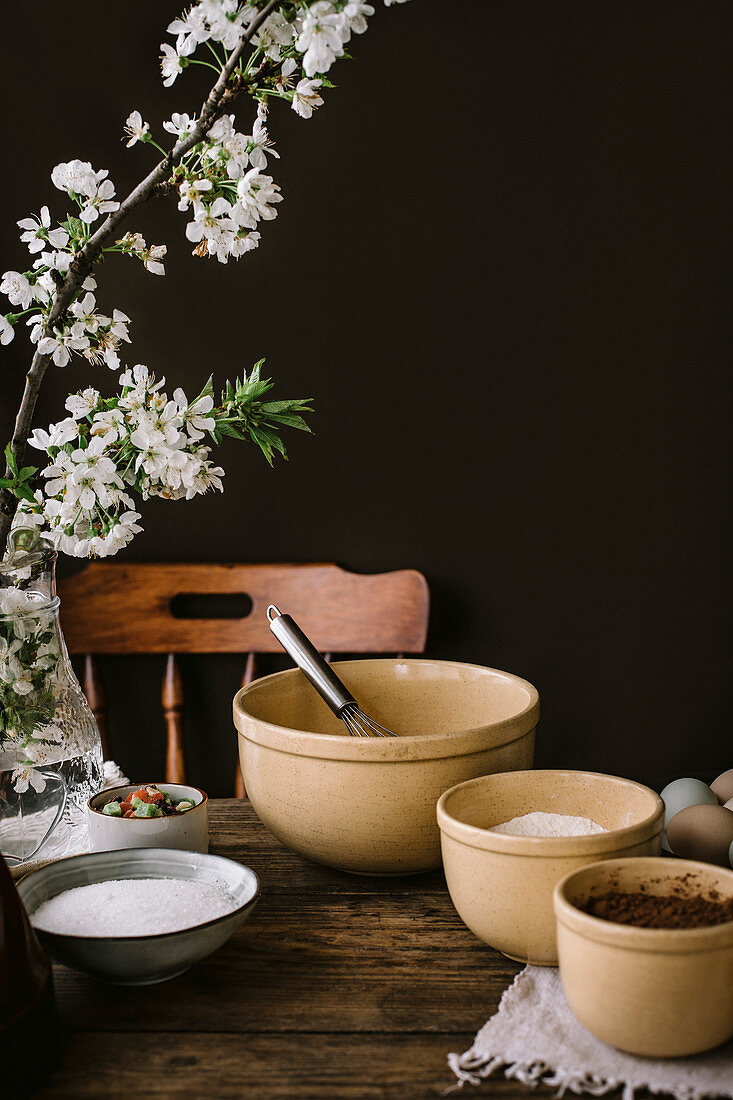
[[368, 806], [656, 992], [502, 885]]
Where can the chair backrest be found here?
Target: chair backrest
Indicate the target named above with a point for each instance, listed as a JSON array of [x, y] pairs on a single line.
[[128, 608]]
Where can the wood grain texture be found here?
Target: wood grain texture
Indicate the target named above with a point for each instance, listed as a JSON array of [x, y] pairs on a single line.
[[172, 699], [125, 608], [197, 1065], [338, 986]]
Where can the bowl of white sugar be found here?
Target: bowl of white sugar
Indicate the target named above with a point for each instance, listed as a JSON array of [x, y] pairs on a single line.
[[137, 916], [507, 839]]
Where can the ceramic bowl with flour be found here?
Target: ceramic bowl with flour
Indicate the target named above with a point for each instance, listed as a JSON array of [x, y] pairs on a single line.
[[501, 882]]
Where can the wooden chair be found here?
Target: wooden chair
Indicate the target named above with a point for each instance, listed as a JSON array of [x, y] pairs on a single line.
[[112, 608]]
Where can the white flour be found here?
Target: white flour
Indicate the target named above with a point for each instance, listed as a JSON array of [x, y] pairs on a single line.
[[542, 824]]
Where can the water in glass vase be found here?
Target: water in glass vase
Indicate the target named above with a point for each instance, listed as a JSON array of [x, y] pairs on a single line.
[[50, 750]]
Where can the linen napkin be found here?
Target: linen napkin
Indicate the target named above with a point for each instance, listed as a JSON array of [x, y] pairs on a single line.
[[536, 1039]]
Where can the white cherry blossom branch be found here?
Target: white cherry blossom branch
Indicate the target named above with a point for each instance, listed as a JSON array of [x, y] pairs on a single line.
[[219, 97]]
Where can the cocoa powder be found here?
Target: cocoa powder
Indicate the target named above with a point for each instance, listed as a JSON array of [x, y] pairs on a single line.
[[661, 911]]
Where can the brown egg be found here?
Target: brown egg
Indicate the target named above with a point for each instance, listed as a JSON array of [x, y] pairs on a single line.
[[722, 787], [702, 832]]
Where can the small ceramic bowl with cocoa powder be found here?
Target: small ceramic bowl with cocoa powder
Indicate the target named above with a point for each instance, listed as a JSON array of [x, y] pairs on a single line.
[[646, 953]]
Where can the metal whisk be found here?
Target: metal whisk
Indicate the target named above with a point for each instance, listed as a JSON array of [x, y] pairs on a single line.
[[322, 677]]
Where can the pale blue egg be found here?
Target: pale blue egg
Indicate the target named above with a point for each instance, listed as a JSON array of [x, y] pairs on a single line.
[[681, 793]]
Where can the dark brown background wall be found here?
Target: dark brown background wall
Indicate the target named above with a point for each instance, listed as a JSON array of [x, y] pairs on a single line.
[[501, 268]]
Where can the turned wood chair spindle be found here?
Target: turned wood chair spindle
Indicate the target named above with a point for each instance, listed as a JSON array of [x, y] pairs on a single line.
[[97, 699], [250, 674], [112, 608], [172, 698]]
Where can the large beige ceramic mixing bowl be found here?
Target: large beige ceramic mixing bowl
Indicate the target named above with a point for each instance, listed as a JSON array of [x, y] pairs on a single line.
[[369, 805], [502, 885], [658, 992]]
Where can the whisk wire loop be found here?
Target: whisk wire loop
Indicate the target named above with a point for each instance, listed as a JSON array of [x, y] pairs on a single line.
[[360, 724], [320, 674]]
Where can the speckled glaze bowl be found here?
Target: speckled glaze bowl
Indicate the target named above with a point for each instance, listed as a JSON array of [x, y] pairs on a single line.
[[368, 806], [656, 992], [188, 831], [140, 960], [502, 885]]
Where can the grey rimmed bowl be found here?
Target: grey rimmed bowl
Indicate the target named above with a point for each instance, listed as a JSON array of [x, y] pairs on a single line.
[[140, 960]]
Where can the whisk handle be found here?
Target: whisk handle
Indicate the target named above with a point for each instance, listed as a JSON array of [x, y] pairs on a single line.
[[309, 661]]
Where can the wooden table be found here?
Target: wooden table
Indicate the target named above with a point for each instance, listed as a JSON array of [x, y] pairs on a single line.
[[337, 986]]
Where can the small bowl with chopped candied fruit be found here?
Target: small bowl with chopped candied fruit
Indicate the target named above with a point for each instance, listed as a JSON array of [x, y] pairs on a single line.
[[149, 815]]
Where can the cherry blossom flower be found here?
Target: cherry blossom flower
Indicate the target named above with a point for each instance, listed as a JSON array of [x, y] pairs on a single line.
[[190, 29], [99, 202], [356, 12], [192, 190], [56, 261], [56, 436], [81, 404], [22, 777], [134, 244], [261, 145], [274, 33], [180, 124], [306, 98], [257, 193], [171, 64], [136, 129], [38, 231], [7, 332], [244, 242], [77, 177], [61, 344], [284, 81], [84, 311], [210, 222], [322, 37], [109, 425], [18, 289], [195, 417], [152, 259]]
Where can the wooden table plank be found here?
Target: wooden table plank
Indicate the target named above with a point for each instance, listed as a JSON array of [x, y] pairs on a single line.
[[238, 834], [357, 963], [339, 985], [265, 1067]]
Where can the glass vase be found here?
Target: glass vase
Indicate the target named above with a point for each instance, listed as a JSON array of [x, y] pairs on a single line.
[[50, 749]]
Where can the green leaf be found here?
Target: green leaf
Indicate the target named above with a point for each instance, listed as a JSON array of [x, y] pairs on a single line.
[[11, 459], [294, 422], [230, 430], [270, 407], [207, 391]]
